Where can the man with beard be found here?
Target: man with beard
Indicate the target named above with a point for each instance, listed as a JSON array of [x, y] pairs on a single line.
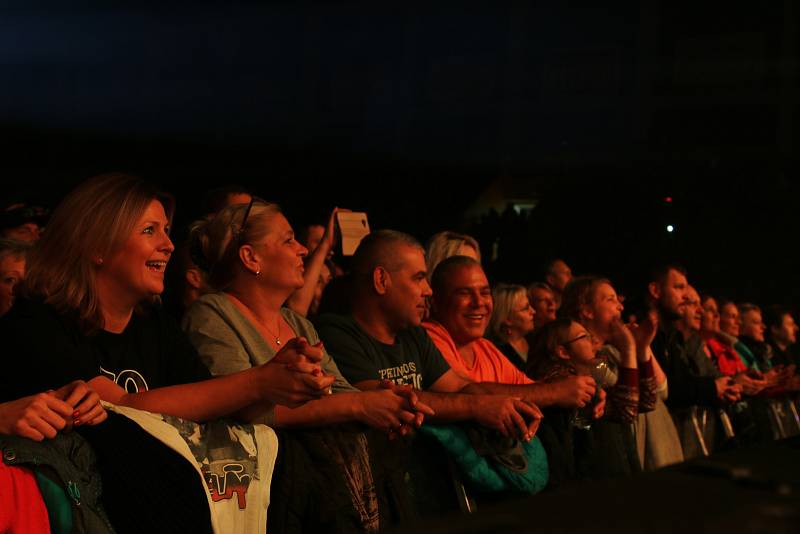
[[676, 347]]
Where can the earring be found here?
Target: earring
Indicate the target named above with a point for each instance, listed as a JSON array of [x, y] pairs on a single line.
[[98, 261], [258, 272]]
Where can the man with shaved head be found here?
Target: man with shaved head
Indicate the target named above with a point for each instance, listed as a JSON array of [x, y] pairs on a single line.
[[381, 339]]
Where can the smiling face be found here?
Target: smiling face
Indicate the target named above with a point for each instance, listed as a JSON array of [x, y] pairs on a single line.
[[279, 256], [465, 304], [12, 270], [135, 270]]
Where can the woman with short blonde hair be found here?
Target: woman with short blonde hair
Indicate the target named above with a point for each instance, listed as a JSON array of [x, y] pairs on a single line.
[[255, 264], [445, 244], [511, 322]]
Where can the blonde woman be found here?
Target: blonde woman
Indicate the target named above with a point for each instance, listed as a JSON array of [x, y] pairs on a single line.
[[91, 313], [445, 244], [255, 264], [512, 320]]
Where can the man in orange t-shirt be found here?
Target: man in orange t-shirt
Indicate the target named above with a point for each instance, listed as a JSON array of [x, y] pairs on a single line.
[[488, 363], [462, 306]]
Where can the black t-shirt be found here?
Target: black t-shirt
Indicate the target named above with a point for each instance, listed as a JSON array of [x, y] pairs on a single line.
[[45, 350], [413, 359]]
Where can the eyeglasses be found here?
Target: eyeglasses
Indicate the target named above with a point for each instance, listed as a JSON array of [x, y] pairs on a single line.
[[583, 335]]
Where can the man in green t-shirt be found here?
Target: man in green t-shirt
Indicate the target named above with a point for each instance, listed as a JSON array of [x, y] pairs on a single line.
[[382, 340]]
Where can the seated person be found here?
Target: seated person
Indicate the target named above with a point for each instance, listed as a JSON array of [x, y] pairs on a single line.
[[446, 244], [543, 301], [39, 417], [462, 305], [721, 347], [592, 302], [638, 396], [695, 384], [184, 282], [317, 261], [782, 332], [557, 275], [217, 199], [12, 270], [244, 324], [22, 222], [382, 339], [730, 326], [577, 450], [512, 320], [89, 313]]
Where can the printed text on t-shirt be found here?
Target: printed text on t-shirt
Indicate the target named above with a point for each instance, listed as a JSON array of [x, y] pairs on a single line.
[[404, 374]]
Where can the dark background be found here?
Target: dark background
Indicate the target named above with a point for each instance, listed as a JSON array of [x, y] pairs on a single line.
[[595, 114]]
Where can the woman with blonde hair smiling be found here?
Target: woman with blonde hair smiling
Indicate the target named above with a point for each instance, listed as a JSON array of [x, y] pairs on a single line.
[[254, 262], [90, 313]]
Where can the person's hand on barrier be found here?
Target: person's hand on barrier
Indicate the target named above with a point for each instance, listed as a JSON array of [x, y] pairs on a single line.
[[35, 417], [292, 385], [510, 416], [574, 391], [87, 409], [600, 405], [727, 389]]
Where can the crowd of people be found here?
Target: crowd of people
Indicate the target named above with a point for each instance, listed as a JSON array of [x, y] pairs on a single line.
[[244, 379]]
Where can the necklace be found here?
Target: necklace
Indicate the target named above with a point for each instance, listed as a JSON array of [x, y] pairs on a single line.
[[278, 336]]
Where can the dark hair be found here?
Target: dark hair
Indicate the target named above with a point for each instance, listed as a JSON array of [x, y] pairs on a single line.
[[773, 315], [377, 250], [443, 270], [14, 247], [579, 293], [660, 273], [539, 285], [215, 200], [544, 342], [745, 307]]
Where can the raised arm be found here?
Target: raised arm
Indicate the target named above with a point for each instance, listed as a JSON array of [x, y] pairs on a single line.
[[300, 300]]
